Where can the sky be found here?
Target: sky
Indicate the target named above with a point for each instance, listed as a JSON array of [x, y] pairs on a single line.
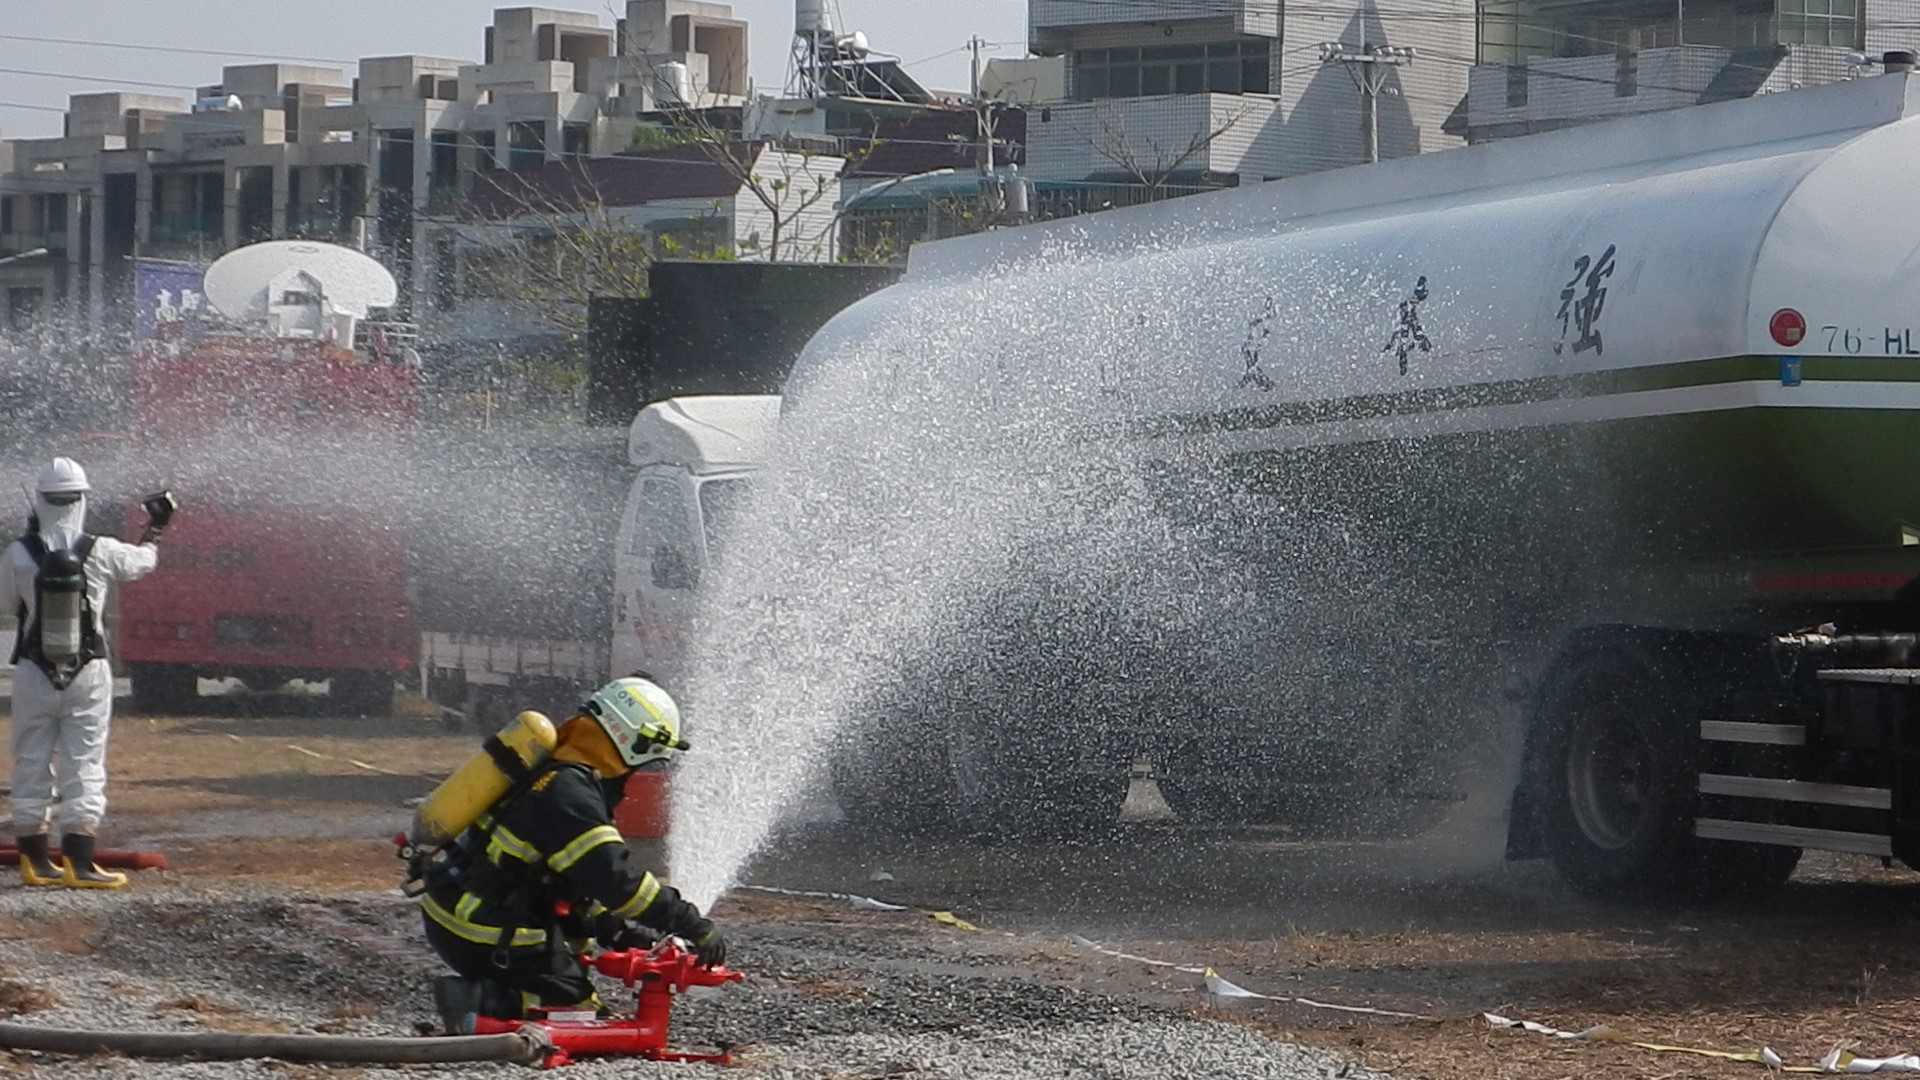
[[930, 35]]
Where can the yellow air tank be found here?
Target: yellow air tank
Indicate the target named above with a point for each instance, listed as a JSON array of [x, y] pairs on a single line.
[[504, 759]]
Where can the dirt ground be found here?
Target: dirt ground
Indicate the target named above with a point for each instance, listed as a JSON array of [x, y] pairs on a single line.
[[1831, 961]]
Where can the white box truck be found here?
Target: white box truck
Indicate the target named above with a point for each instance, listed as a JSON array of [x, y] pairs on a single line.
[[694, 457]]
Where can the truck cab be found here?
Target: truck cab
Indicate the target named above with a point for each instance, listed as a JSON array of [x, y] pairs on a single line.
[[695, 458]]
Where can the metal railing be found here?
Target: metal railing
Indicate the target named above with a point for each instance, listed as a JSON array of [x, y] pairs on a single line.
[[185, 227]]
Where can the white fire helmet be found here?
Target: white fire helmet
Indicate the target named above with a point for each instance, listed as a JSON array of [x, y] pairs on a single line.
[[639, 717], [62, 476]]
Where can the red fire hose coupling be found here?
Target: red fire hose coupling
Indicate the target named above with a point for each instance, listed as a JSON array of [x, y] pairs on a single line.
[[658, 974]]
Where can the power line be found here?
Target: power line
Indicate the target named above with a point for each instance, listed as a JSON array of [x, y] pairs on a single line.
[[94, 79], [177, 49]]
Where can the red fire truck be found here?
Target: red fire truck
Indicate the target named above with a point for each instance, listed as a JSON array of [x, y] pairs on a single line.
[[285, 429]]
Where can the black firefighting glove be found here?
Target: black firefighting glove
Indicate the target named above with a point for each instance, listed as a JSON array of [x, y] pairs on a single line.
[[708, 946], [615, 932], [698, 931], [159, 510], [683, 920]]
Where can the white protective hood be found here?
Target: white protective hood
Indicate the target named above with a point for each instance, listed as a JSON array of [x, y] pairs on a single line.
[[60, 526]]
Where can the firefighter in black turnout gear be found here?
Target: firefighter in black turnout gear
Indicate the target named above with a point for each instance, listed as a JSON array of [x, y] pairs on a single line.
[[492, 909]]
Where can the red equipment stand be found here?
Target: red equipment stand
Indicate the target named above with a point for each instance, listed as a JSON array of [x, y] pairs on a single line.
[[659, 973]]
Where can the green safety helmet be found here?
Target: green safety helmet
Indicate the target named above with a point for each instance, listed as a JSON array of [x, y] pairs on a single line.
[[639, 717]]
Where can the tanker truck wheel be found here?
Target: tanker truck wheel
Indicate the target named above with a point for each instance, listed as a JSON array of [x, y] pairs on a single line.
[[1051, 779], [360, 693], [1620, 780], [162, 689]]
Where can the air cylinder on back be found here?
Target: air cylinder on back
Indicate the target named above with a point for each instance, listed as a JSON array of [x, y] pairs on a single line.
[[62, 588], [504, 759]]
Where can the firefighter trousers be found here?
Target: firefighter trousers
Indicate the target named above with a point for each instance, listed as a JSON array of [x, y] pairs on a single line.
[[59, 742], [548, 974]]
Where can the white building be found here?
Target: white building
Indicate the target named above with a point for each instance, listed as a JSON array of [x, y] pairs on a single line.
[[278, 150], [1549, 64], [1206, 93]]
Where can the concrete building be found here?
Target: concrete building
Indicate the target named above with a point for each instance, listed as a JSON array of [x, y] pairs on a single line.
[[1549, 64], [1184, 95], [278, 150]]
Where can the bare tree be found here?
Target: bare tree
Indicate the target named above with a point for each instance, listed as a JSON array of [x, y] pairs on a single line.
[[545, 243], [788, 180], [795, 185], [1148, 163]]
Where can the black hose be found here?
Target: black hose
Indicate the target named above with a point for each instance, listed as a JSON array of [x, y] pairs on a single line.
[[525, 1046]]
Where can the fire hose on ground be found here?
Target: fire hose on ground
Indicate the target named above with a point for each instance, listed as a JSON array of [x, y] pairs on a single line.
[[657, 975], [526, 1046]]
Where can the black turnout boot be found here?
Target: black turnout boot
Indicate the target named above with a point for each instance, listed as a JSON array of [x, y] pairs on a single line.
[[457, 1000], [36, 863]]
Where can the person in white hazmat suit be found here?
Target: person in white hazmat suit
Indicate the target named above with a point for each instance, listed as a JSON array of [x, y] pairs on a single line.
[[58, 577]]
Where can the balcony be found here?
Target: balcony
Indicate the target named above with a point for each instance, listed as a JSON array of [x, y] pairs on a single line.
[[1154, 139], [1042, 14], [1052, 24], [13, 243], [319, 222], [186, 227], [1547, 93]]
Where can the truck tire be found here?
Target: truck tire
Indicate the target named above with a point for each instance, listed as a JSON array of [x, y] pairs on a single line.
[[1618, 773], [360, 693], [164, 689], [1046, 780], [887, 796]]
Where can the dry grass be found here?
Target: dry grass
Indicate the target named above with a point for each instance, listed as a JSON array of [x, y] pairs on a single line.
[[321, 863], [220, 1016], [196, 1003], [64, 932], [19, 998], [172, 769]]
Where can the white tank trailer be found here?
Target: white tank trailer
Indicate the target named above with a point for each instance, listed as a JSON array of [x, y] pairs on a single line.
[[1591, 415]]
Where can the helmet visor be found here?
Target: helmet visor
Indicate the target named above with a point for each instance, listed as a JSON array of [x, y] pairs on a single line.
[[61, 498]]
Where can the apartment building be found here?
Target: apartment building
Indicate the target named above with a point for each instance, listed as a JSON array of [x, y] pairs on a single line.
[[279, 150], [1549, 64], [1191, 94]]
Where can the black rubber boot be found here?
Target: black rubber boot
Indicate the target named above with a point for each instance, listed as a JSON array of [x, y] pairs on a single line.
[[457, 1000], [36, 864], [78, 870]]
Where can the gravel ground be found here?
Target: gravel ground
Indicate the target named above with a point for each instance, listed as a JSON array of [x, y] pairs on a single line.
[[827, 994]]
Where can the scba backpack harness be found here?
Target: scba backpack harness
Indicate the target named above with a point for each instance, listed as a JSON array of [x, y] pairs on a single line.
[[64, 634]]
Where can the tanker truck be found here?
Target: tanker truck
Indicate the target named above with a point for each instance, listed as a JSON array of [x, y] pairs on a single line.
[[1579, 464]]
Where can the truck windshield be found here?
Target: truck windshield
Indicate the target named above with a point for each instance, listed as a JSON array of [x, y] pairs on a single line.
[[720, 504]]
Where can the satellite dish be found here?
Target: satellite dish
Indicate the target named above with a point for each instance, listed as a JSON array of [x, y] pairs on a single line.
[[246, 284], [857, 46]]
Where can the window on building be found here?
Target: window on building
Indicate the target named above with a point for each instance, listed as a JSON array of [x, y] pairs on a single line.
[[526, 144], [23, 308], [444, 166], [1224, 67], [1820, 22]]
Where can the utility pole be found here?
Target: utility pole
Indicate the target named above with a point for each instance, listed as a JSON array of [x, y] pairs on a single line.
[[1368, 65], [982, 132]]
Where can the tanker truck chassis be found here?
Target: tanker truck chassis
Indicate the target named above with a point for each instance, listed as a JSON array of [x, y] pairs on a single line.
[[1698, 763]]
